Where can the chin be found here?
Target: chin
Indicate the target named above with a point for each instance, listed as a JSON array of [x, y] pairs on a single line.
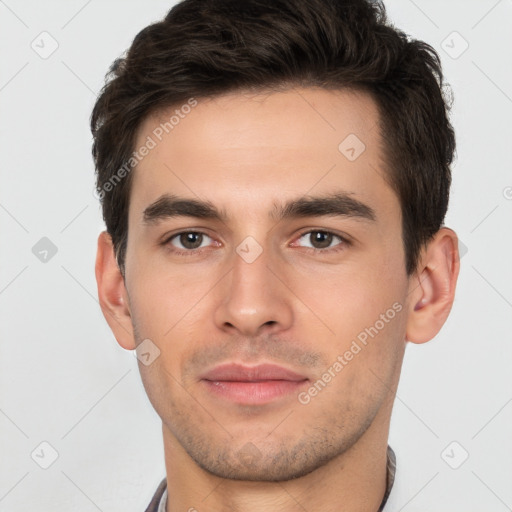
[[249, 464]]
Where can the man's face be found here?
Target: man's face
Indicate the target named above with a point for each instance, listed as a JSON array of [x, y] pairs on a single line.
[[320, 297]]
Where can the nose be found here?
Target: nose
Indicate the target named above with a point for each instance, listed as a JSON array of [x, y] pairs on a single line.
[[253, 297]]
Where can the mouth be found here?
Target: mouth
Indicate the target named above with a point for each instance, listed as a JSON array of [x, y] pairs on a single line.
[[252, 385]]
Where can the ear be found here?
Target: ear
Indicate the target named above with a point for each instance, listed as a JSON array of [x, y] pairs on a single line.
[[432, 288], [112, 293]]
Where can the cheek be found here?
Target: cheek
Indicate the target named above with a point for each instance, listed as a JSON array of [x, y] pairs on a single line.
[[168, 310], [351, 297], [161, 301]]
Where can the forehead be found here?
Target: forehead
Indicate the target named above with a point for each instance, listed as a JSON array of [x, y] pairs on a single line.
[[246, 150]]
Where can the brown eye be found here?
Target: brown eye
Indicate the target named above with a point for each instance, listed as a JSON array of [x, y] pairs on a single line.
[[322, 240], [189, 240]]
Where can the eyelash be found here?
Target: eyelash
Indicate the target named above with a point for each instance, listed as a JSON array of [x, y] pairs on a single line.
[[344, 242]]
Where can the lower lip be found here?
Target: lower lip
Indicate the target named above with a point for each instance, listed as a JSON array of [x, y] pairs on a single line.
[[254, 392]]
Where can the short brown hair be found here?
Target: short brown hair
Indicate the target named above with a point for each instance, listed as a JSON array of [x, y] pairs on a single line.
[[204, 48]]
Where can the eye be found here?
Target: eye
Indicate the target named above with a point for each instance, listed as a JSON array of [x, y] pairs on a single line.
[[188, 240], [320, 240]]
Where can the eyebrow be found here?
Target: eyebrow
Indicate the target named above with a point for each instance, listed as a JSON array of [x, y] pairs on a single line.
[[339, 204]]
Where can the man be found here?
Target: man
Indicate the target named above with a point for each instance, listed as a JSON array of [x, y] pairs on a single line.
[[274, 175]]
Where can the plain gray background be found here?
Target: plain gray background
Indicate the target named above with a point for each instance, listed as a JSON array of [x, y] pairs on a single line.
[[65, 381]]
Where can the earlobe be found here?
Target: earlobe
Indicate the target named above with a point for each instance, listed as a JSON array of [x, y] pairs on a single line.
[[432, 288], [112, 293]]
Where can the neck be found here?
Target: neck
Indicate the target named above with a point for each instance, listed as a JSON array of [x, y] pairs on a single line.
[[353, 481]]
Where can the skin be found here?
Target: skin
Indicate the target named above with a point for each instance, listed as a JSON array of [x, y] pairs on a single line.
[[291, 306]]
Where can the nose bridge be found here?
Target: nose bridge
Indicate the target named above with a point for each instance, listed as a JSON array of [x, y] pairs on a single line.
[[253, 296], [251, 275], [251, 254]]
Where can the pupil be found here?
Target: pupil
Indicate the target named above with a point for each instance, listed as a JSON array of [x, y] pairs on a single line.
[[191, 240], [324, 239]]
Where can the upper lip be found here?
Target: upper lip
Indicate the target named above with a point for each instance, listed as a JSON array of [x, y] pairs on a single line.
[[260, 373]]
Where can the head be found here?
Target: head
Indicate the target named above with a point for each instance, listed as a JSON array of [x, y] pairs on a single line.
[[274, 177]]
